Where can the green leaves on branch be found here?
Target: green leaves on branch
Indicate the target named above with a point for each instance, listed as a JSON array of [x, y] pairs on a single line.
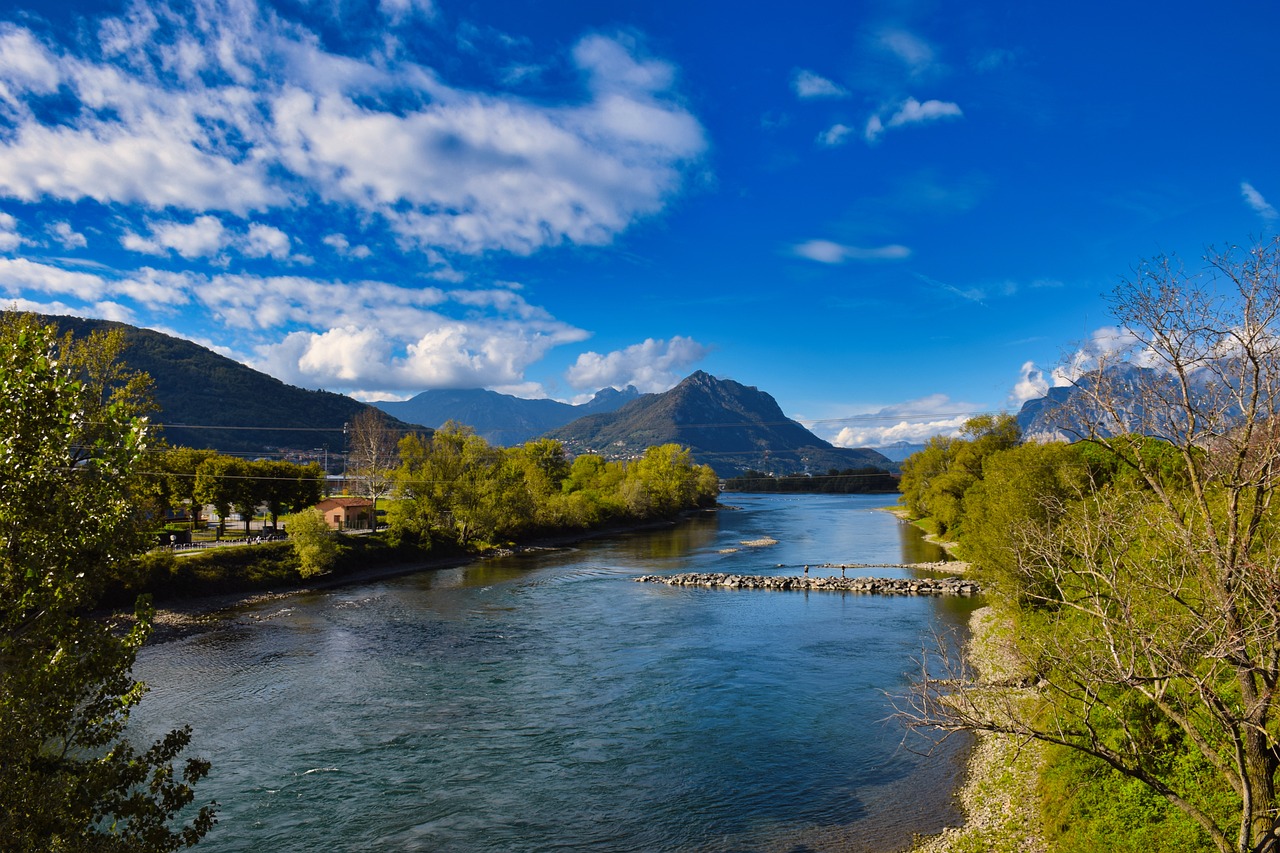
[[72, 436]]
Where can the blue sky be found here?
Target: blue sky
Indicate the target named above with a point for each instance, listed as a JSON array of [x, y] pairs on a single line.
[[888, 215]]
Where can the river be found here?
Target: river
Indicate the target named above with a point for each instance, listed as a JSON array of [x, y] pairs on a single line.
[[547, 702]]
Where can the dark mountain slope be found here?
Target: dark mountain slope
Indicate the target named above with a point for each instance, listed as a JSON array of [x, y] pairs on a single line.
[[208, 400]]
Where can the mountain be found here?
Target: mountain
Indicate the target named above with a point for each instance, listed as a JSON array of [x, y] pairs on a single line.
[[208, 400], [1064, 414], [501, 419], [731, 427], [899, 450]]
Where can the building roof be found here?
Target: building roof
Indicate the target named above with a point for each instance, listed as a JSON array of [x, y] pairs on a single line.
[[347, 503]]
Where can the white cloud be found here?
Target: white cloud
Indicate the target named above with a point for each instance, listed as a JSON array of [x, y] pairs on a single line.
[[1254, 199], [68, 236], [913, 421], [398, 10], [340, 244], [913, 51], [25, 66], [266, 241], [1104, 344], [106, 310], [834, 135], [233, 109], [203, 237], [10, 239], [19, 274], [1031, 384], [809, 85], [827, 252], [911, 111], [654, 365]]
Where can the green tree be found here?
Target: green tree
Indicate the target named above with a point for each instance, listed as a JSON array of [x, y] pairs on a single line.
[[69, 778], [286, 487], [177, 467], [315, 544], [220, 482]]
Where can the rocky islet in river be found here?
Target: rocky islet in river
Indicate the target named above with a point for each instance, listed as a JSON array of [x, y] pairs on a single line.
[[865, 585]]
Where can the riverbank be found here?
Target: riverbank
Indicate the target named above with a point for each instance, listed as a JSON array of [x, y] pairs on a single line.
[[998, 796], [179, 617]]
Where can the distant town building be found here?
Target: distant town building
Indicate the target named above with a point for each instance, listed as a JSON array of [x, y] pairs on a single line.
[[345, 513]]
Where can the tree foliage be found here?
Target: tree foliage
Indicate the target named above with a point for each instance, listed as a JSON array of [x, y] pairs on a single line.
[[315, 544], [453, 485], [71, 437], [1149, 591]]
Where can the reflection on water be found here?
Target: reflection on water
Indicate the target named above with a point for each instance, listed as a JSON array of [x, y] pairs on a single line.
[[547, 701]]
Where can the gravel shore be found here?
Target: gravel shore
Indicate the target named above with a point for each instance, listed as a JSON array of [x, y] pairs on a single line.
[[999, 793]]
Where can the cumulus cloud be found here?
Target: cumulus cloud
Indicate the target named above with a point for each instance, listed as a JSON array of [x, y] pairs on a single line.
[[653, 365], [266, 241], [68, 236], [912, 421], [340, 244], [834, 135], [910, 111], [808, 85], [235, 110], [827, 252], [1031, 385], [10, 239], [203, 237], [1256, 202], [1104, 346]]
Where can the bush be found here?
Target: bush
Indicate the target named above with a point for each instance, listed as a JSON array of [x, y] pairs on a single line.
[[314, 543]]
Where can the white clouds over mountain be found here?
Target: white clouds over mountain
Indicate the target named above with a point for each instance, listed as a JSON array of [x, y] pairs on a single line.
[[653, 365], [219, 138]]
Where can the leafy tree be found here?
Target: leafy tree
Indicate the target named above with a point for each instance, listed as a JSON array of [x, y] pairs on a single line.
[[286, 487], [69, 778], [314, 543], [220, 482], [1166, 606], [934, 481], [178, 466]]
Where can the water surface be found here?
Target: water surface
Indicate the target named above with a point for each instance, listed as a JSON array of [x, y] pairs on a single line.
[[549, 703]]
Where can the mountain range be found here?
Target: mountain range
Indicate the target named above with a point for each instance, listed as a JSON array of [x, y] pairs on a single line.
[[208, 400], [501, 419]]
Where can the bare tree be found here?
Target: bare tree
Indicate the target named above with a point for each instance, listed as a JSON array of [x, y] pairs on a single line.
[[1158, 604], [372, 456]]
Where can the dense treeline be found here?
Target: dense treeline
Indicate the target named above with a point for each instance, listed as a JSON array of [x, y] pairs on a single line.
[[1139, 571], [455, 486], [1004, 503], [835, 482], [188, 479]]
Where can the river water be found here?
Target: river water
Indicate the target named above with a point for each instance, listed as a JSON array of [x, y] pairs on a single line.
[[547, 702]]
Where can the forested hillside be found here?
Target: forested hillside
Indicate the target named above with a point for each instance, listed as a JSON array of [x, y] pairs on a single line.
[[209, 401]]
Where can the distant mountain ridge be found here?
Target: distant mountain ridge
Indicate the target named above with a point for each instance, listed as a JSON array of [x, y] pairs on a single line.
[[501, 419], [727, 425], [210, 401]]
